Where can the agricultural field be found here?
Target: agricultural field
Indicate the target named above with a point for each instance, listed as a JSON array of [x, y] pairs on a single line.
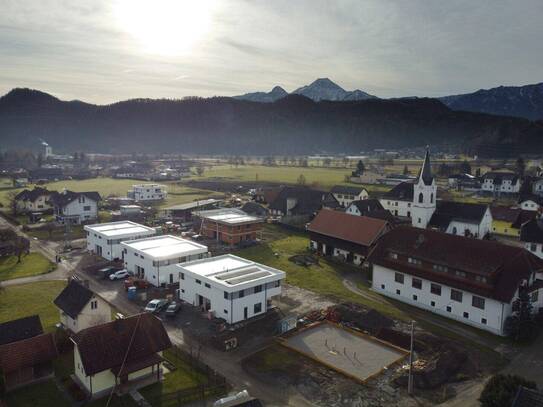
[[31, 264]]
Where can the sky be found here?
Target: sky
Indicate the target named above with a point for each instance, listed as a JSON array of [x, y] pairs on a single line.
[[104, 51]]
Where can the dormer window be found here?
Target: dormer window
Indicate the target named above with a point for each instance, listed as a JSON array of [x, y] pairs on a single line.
[[393, 255], [414, 261]]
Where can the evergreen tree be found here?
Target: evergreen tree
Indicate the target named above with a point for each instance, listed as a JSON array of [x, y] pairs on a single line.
[[521, 166], [405, 170], [521, 325], [360, 168]]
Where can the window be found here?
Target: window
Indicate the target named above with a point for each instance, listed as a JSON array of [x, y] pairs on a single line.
[[94, 304], [258, 289], [383, 287], [535, 296], [432, 198], [421, 197], [420, 221], [226, 296], [408, 214], [182, 276], [198, 281], [241, 294], [466, 315], [257, 308], [435, 289], [207, 285], [414, 261], [416, 283], [398, 292], [438, 267], [480, 279], [433, 303], [456, 295], [483, 321], [449, 309], [454, 230], [87, 208], [478, 302], [393, 255], [398, 277], [415, 297], [533, 247], [225, 311], [460, 273]]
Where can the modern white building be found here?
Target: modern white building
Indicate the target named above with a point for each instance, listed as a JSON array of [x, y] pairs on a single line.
[[469, 280], [501, 182], [104, 239], [154, 258], [234, 288], [148, 192]]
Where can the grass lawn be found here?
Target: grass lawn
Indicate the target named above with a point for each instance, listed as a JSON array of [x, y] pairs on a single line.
[[57, 234], [180, 378], [28, 299], [31, 264], [45, 394]]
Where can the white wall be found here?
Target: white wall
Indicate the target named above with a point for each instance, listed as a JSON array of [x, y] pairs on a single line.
[[529, 205], [506, 186], [85, 210], [234, 305], [495, 312], [397, 208], [111, 248], [89, 315], [149, 192], [357, 257], [535, 248], [346, 199], [39, 205], [478, 230]]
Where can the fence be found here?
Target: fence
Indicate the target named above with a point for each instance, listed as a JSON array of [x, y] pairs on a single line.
[[215, 385]]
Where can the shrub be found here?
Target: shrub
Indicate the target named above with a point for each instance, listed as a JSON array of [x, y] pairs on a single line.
[[501, 390]]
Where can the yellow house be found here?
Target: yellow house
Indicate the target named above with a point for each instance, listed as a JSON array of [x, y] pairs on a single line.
[[507, 221], [124, 354]]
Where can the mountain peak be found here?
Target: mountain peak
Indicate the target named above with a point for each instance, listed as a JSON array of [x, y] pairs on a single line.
[[278, 90], [28, 94], [326, 89]]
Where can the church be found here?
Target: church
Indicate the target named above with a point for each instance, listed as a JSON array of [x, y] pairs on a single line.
[[417, 200]]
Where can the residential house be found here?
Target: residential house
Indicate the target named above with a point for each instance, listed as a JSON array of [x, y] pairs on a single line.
[[230, 226], [46, 174], [345, 195], [395, 179], [154, 258], [537, 187], [464, 182], [234, 288], [104, 239], [148, 192], [267, 195], [501, 182], [33, 200], [349, 237], [531, 235], [526, 397], [507, 221], [530, 202], [371, 208], [26, 353], [464, 219], [75, 207], [301, 202], [123, 354], [472, 281], [80, 308], [399, 200]]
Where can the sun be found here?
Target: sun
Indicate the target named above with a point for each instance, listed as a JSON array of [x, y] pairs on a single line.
[[165, 27]]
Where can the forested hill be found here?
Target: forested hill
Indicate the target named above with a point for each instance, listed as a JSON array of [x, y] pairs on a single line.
[[221, 125]]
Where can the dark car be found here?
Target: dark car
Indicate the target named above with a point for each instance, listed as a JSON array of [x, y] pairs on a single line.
[[173, 309]]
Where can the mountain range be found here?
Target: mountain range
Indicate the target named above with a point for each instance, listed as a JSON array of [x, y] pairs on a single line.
[[519, 101], [292, 125]]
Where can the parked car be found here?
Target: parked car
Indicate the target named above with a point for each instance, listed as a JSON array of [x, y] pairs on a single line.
[[107, 271], [173, 309], [119, 275], [155, 306], [135, 282]]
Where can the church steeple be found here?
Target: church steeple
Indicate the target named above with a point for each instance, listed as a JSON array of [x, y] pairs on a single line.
[[426, 170]]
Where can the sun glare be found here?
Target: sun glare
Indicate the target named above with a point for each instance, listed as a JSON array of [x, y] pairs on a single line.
[[165, 27]]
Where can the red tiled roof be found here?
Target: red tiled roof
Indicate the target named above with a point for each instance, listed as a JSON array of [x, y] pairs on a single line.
[[28, 352], [504, 266], [357, 229], [104, 346]]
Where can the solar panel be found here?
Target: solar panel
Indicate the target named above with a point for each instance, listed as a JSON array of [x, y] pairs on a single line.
[[249, 277]]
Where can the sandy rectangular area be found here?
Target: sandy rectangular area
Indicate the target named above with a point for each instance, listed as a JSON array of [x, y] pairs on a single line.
[[344, 351]]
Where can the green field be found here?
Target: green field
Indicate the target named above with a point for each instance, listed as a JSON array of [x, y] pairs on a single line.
[[23, 300], [45, 394], [31, 264]]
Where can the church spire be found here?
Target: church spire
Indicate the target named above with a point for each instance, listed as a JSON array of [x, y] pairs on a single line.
[[426, 170]]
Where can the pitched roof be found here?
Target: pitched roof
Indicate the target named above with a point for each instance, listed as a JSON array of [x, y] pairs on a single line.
[[401, 192], [346, 189], [104, 346], [361, 230], [504, 213], [503, 266], [365, 206], [65, 197], [27, 352], [426, 170], [448, 211], [498, 176], [32, 194], [307, 200], [73, 298], [253, 208], [19, 329], [523, 217], [527, 398], [532, 231]]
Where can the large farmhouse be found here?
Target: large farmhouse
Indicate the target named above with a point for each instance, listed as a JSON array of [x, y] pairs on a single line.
[[464, 219], [471, 281], [33, 200], [339, 234], [501, 182]]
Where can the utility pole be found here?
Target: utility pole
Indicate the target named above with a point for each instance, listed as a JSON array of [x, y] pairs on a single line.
[[410, 379]]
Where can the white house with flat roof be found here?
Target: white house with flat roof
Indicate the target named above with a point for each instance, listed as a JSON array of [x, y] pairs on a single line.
[[148, 192], [234, 288], [104, 239], [154, 258]]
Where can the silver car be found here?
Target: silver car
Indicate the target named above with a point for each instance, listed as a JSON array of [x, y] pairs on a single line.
[[155, 306]]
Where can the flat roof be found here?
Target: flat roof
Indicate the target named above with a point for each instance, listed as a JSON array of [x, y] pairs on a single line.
[[165, 246], [230, 216], [118, 229], [148, 185], [232, 271], [191, 205]]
